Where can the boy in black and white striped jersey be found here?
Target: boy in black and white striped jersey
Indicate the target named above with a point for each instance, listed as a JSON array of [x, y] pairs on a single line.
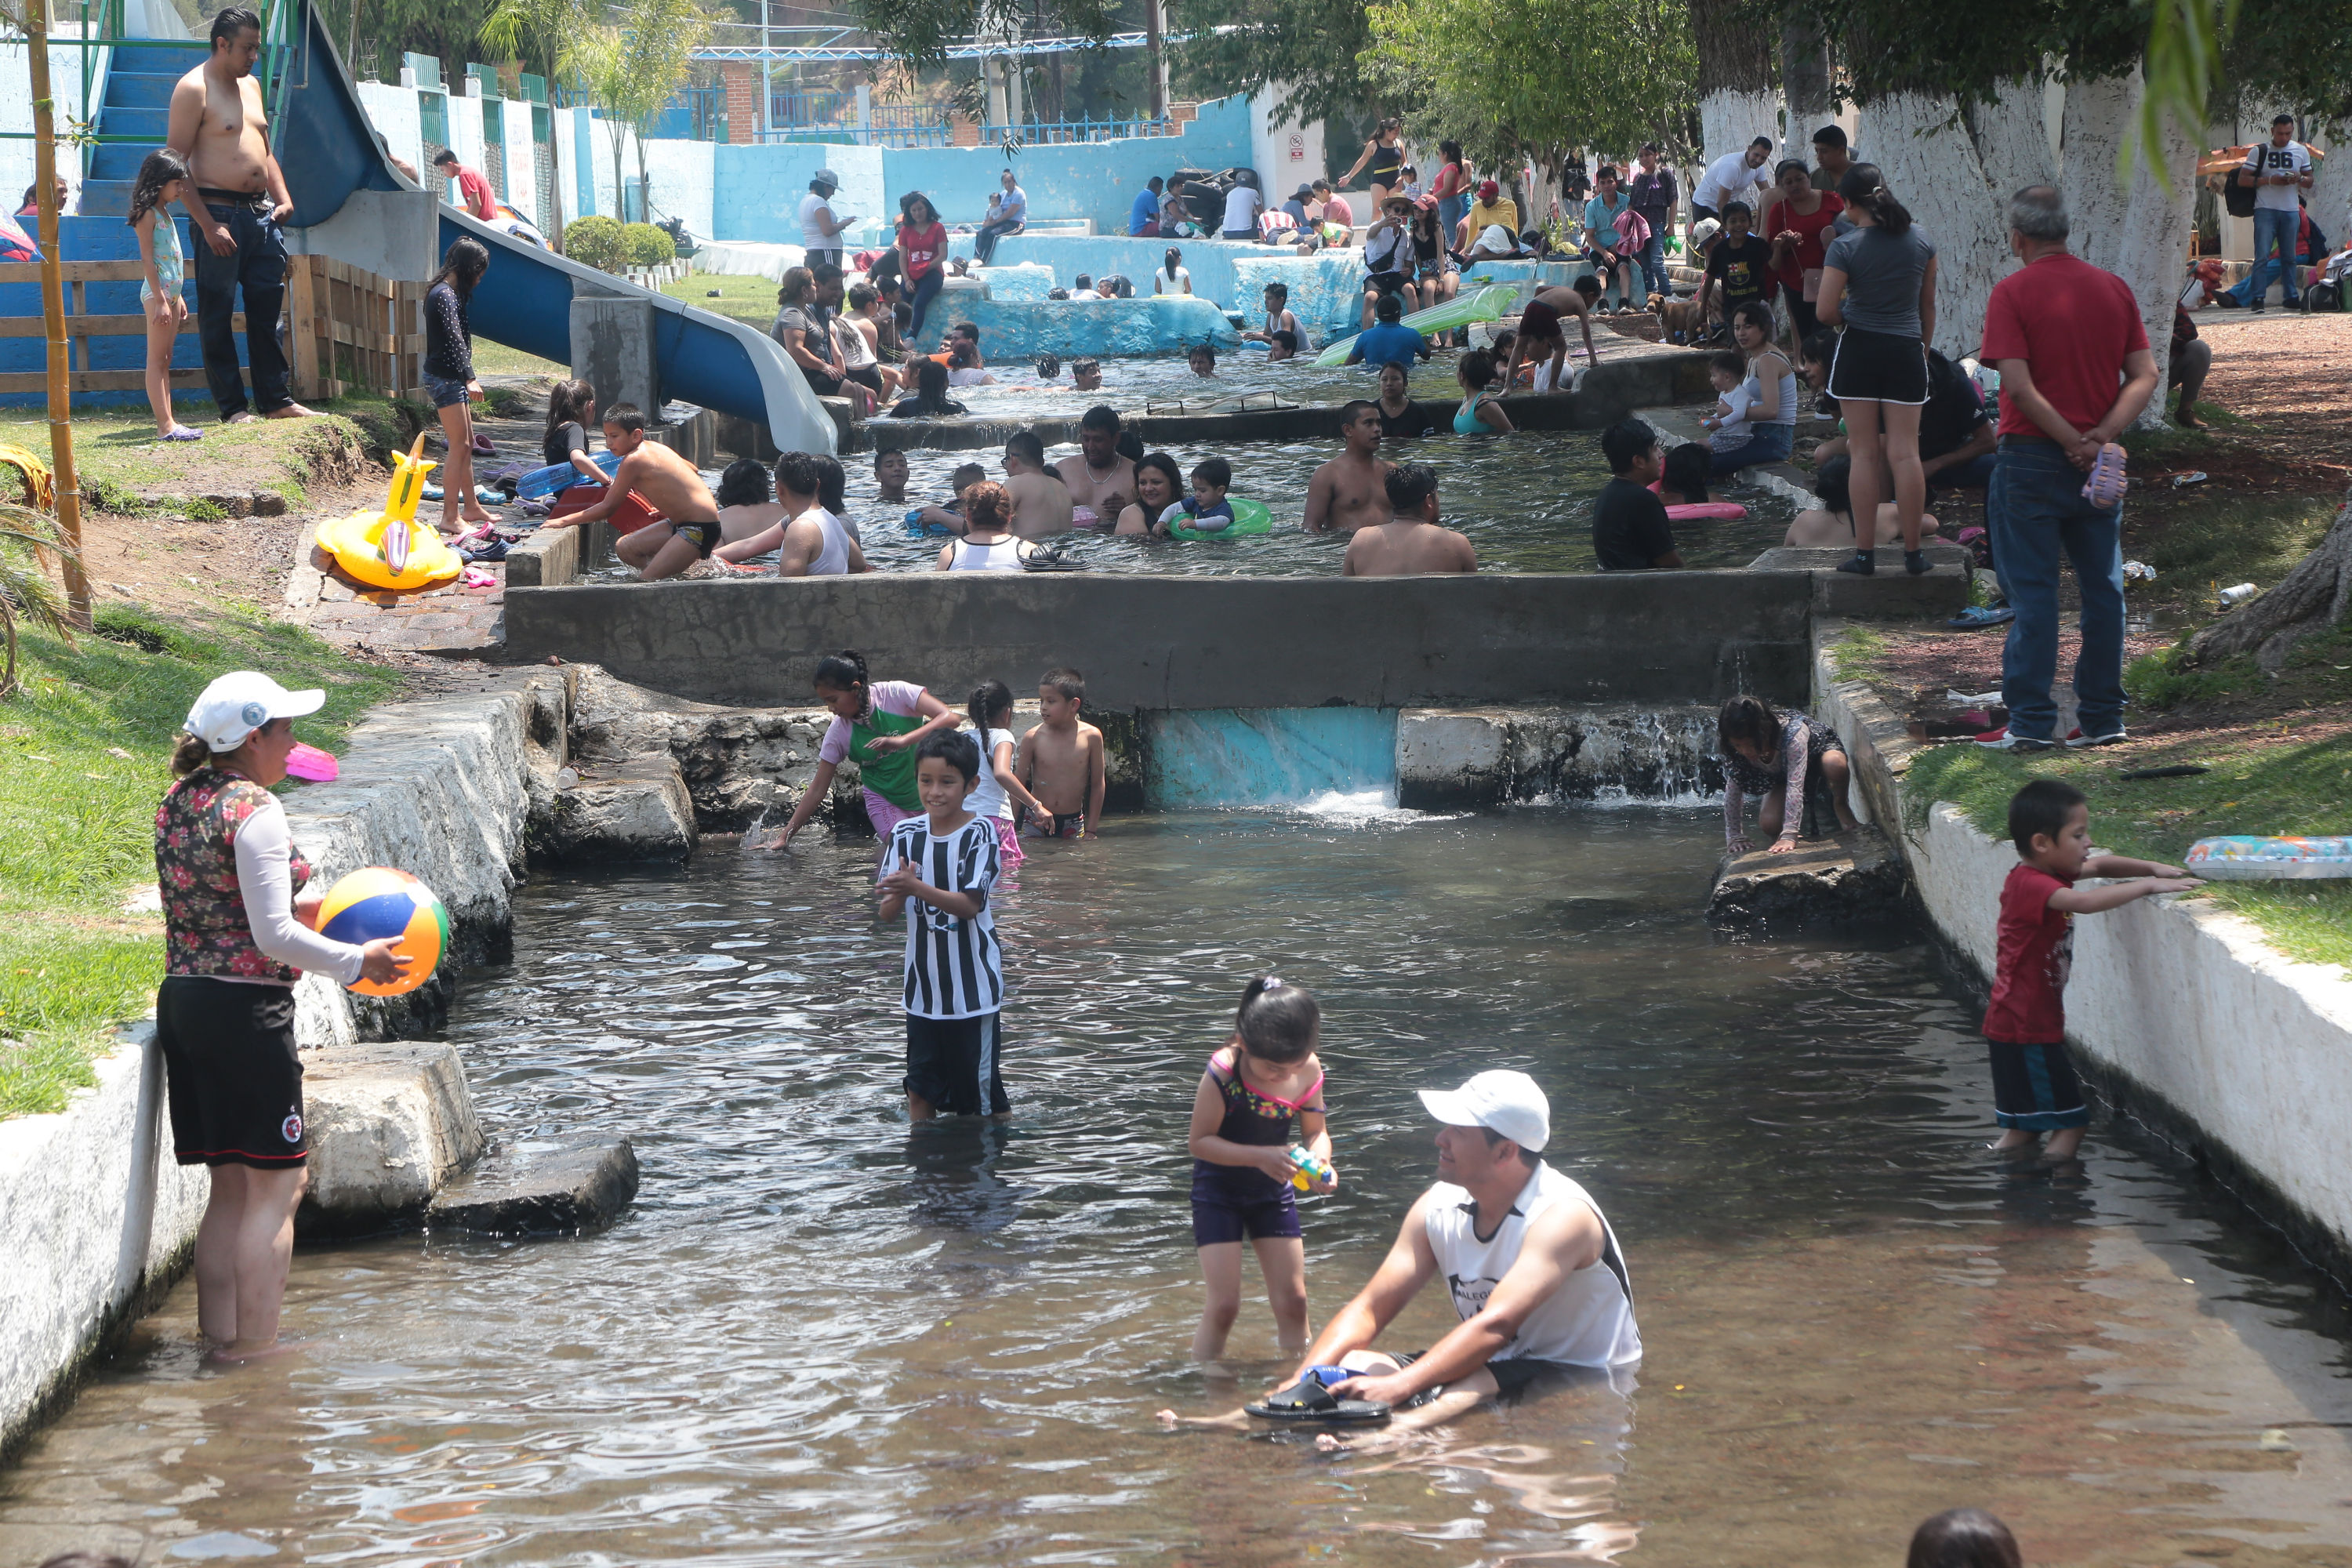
[[940, 869]]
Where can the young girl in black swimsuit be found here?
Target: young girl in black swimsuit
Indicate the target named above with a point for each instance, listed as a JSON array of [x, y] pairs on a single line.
[[1265, 1077], [1385, 156]]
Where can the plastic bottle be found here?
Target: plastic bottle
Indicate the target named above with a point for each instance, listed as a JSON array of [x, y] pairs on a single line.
[[1306, 1170]]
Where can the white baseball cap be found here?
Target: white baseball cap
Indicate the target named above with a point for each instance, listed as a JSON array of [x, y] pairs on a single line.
[[1706, 228], [1504, 1102], [237, 704]]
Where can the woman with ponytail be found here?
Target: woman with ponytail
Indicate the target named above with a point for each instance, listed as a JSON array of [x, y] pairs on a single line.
[[877, 724], [1878, 282]]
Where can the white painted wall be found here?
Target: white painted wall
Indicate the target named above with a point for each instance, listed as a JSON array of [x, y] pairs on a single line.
[[521, 159], [17, 110], [681, 174], [466, 131], [1286, 156], [393, 112]]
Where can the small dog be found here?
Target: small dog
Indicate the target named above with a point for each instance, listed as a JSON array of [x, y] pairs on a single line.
[[1680, 320]]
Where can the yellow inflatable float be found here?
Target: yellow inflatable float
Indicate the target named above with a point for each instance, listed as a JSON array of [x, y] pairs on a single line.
[[390, 549]]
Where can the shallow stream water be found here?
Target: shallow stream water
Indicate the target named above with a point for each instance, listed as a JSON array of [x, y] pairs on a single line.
[[822, 1337]]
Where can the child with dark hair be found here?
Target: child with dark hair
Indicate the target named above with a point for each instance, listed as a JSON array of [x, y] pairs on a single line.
[[747, 500], [890, 469], [1263, 1080], [1688, 475], [1281, 345], [1061, 759], [1727, 372], [163, 180], [2033, 1085], [1201, 361], [1206, 509], [1630, 531], [448, 374], [1793, 762], [1962, 1537], [940, 868], [999, 789], [877, 724]]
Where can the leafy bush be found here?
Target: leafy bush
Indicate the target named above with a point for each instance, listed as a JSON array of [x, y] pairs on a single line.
[[648, 246], [598, 242]]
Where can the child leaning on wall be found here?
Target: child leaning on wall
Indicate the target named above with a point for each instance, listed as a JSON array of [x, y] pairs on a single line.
[[2033, 1085]]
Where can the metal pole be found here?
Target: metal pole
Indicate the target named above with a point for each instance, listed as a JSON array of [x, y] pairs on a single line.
[[53, 313], [1159, 70], [767, 78]]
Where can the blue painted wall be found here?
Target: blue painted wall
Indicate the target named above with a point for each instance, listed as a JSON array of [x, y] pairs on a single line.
[[759, 186], [104, 239]]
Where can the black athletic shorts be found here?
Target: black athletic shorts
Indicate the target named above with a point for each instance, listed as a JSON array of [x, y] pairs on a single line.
[[235, 1081], [1513, 1377], [1385, 282], [865, 375], [953, 1065], [1878, 366]]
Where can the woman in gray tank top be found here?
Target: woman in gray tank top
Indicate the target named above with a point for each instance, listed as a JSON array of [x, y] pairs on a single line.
[[1878, 282]]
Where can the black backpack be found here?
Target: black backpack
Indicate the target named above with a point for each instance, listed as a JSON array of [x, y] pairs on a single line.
[[2237, 196]]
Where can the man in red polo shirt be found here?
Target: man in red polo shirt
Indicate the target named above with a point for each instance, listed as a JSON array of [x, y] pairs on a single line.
[[2074, 371]]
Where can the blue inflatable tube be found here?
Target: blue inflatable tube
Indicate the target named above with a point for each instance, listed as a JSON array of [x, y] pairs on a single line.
[[540, 483]]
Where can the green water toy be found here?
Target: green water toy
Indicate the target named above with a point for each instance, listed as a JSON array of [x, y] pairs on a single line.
[[1482, 305], [1249, 517]]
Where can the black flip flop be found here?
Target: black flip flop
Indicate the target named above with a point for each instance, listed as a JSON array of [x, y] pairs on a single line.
[[1308, 1400]]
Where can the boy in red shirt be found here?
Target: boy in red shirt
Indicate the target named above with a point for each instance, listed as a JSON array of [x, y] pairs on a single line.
[[2033, 1085]]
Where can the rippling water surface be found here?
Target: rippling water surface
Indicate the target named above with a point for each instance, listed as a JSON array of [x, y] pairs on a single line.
[[822, 1337]]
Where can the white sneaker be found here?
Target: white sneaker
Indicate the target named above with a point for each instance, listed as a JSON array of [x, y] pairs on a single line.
[[2078, 740]]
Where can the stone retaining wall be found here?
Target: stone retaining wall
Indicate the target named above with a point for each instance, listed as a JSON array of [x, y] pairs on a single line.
[[2183, 1015]]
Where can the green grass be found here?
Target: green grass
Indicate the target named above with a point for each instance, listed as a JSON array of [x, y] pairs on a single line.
[[2317, 672], [1855, 654], [84, 756], [2273, 788], [119, 462], [2197, 544], [750, 299]]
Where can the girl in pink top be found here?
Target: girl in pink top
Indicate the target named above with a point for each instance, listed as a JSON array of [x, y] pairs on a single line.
[[878, 724]]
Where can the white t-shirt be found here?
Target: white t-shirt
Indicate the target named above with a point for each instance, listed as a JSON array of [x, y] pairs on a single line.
[[1163, 284], [813, 235], [1729, 179], [1586, 1321], [1242, 205], [988, 798], [2264, 159]]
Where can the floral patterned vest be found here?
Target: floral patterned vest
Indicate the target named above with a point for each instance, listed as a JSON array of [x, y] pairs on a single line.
[[206, 930]]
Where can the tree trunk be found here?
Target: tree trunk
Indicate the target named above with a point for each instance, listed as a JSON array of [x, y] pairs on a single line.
[[2152, 253], [1736, 100], [1933, 167], [620, 175], [2311, 598], [2099, 116], [1805, 75], [2331, 182]]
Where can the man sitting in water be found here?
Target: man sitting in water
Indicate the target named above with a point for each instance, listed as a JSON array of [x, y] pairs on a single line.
[[1041, 502], [1202, 362], [1412, 542], [655, 481], [1086, 375], [1351, 491], [1100, 482], [1390, 342], [1533, 1272], [1540, 332]]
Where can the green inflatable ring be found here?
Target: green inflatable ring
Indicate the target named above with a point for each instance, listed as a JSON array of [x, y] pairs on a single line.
[[1249, 517], [1486, 304]]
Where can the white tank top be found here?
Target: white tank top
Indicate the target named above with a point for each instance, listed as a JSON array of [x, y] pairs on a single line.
[[1588, 1321], [833, 560], [1004, 555], [988, 798]]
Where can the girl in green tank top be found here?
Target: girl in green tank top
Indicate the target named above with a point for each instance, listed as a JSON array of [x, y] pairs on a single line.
[[878, 725]]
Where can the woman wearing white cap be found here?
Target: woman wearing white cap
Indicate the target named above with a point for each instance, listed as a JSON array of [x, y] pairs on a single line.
[[236, 938], [820, 225]]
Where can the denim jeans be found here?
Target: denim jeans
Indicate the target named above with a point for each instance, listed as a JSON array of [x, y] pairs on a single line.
[[1765, 443], [258, 267], [919, 295], [2035, 509], [1652, 258], [2274, 229]]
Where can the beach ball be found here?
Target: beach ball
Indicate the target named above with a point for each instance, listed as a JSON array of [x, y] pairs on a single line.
[[376, 902]]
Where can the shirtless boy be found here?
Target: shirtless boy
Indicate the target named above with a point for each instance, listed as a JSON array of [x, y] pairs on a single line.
[[1412, 542], [217, 124], [1098, 478], [1279, 318], [1041, 502], [1061, 759], [1540, 332], [1351, 491], [807, 539], [890, 477], [686, 527]]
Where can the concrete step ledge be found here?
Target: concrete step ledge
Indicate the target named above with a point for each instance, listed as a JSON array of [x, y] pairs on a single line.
[[1853, 882], [565, 1185], [391, 1123]]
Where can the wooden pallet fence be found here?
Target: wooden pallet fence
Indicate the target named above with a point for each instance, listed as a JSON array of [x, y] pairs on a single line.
[[351, 331]]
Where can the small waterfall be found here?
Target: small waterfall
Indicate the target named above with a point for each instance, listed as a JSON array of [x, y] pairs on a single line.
[[1340, 759]]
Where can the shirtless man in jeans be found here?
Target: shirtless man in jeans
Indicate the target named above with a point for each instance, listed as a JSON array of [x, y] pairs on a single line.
[[1414, 543], [687, 527], [217, 124], [1098, 478], [1351, 491]]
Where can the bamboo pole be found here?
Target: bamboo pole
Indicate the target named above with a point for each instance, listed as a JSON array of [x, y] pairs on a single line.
[[53, 311]]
